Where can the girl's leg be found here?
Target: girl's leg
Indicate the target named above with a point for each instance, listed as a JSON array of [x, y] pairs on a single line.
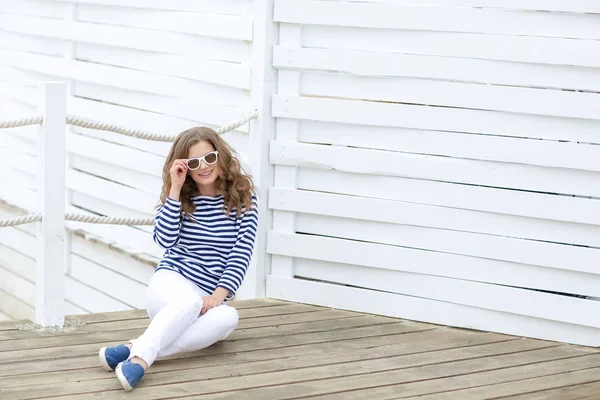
[[173, 304], [215, 325]]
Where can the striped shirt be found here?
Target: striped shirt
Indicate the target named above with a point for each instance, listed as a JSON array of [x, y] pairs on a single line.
[[211, 249]]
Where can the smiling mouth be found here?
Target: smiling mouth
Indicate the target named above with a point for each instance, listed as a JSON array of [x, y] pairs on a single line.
[[205, 174]]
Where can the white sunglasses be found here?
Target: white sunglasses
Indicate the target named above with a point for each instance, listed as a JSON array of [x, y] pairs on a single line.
[[208, 158]]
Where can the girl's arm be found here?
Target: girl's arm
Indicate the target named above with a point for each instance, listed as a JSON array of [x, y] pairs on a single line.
[[167, 224], [241, 253]]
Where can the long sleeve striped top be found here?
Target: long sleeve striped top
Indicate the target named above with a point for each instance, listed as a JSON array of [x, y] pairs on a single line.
[[211, 249]]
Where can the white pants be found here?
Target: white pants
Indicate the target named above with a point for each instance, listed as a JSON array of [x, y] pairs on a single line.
[[174, 304]]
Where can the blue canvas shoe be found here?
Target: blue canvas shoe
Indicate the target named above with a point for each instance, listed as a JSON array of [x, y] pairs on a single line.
[[129, 374], [110, 357]]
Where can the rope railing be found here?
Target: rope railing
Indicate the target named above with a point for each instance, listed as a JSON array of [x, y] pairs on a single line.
[[90, 124], [93, 219], [103, 126]]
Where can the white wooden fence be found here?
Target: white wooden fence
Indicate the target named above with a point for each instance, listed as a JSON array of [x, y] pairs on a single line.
[[435, 162], [440, 162]]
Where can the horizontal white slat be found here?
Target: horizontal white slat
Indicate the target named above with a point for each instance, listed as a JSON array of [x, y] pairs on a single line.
[[493, 174], [436, 118], [529, 49], [472, 20], [510, 202], [543, 254], [204, 24], [398, 258], [103, 207], [137, 38], [390, 64], [407, 213], [38, 8], [14, 308], [127, 177], [200, 112], [16, 286], [233, 7], [547, 153], [124, 78], [222, 73], [419, 309], [33, 44], [580, 6], [116, 155], [475, 294], [534, 101]]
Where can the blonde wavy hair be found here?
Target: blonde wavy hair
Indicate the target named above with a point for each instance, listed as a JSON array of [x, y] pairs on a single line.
[[233, 183]]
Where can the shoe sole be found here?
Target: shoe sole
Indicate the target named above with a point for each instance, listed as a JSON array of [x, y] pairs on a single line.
[[102, 357], [122, 378]]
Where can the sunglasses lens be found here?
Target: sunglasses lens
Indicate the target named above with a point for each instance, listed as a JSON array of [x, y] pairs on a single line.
[[211, 158], [193, 163]]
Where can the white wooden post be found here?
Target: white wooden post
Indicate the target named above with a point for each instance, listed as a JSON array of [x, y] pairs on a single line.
[[262, 129], [290, 35], [50, 265]]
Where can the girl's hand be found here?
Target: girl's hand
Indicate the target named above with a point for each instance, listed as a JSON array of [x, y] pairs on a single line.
[[178, 173], [209, 302]]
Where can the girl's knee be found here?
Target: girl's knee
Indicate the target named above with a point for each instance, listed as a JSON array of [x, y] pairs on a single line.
[[229, 316]]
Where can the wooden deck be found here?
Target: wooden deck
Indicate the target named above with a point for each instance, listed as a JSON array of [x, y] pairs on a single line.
[[288, 351]]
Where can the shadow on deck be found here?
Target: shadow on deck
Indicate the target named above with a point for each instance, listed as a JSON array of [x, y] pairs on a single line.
[[286, 351]]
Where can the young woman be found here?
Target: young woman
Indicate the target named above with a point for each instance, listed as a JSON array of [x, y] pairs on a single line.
[[206, 222]]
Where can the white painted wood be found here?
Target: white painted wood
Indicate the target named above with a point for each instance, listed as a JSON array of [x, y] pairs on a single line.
[[453, 94], [393, 16], [15, 308], [263, 86], [232, 7], [524, 302], [408, 213], [578, 6], [396, 258], [398, 64], [528, 49], [30, 44], [51, 199], [427, 310], [201, 24], [39, 8], [435, 118], [128, 37], [494, 174], [222, 73], [546, 153], [544, 254], [289, 83]]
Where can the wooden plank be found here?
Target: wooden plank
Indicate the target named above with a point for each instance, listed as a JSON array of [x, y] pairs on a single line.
[[307, 381], [121, 36], [394, 16], [564, 393], [582, 6], [272, 343], [518, 301], [32, 44], [233, 7], [527, 386], [398, 64], [495, 200], [217, 72], [408, 213], [330, 321], [491, 174], [38, 8], [529, 252], [262, 361], [434, 118], [458, 145], [202, 24], [414, 308], [416, 261], [531, 100], [519, 49]]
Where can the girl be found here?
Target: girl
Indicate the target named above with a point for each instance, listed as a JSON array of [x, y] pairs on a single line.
[[206, 223]]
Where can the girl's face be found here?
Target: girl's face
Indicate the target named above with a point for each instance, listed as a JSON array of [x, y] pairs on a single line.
[[206, 175]]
